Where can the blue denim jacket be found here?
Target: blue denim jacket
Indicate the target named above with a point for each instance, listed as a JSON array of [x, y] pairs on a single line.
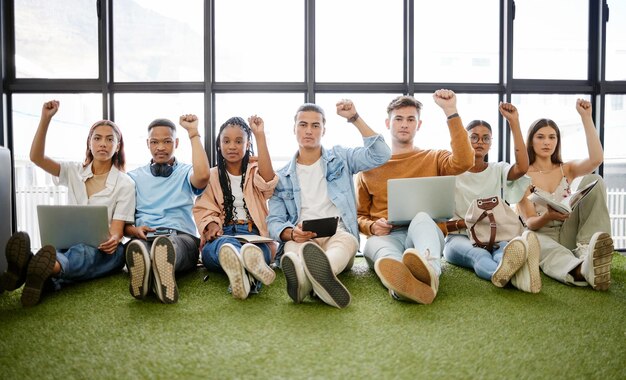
[[339, 165]]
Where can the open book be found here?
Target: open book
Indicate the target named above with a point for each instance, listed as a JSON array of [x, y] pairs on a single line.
[[252, 239], [565, 205]]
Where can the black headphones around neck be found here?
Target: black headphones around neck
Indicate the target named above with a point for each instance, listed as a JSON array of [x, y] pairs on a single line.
[[162, 170]]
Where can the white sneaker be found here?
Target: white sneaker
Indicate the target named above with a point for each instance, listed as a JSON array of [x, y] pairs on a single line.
[[254, 262], [533, 250], [325, 284], [421, 268], [138, 264], [232, 263], [298, 285], [402, 284], [596, 266], [513, 258], [528, 277], [163, 257]]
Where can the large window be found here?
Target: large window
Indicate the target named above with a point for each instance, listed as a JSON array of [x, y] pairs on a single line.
[[158, 40], [551, 39], [359, 41], [462, 46], [56, 39], [137, 60], [616, 41], [259, 41]]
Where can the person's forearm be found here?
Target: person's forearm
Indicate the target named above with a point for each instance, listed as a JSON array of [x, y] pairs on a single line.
[[594, 147], [199, 159], [38, 147], [363, 128], [462, 151], [266, 170], [521, 154]]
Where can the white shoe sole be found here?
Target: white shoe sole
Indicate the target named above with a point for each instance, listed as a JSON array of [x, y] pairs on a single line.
[[233, 267], [513, 258], [254, 262], [163, 257], [533, 250], [602, 256]]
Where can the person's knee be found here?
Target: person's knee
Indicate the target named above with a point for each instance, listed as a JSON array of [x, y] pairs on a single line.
[[421, 217]]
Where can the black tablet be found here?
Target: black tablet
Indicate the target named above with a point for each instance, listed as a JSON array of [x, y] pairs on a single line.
[[322, 227]]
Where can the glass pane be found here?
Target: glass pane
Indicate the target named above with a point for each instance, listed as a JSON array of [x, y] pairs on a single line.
[[616, 41], [134, 112], [56, 39], [158, 40], [259, 41], [434, 132], [562, 110], [371, 107], [359, 41], [551, 39], [277, 112], [465, 50], [615, 165], [66, 141]]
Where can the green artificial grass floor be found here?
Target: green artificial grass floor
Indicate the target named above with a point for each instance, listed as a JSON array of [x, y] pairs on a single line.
[[472, 330]]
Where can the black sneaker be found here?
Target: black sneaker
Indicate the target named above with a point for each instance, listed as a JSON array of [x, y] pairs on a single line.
[[39, 271], [138, 264], [163, 257], [18, 256], [325, 284]]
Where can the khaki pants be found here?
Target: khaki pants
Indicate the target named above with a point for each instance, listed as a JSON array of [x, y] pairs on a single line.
[[340, 249], [559, 239]]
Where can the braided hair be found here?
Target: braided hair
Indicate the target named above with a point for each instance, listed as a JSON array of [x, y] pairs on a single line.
[[229, 199]]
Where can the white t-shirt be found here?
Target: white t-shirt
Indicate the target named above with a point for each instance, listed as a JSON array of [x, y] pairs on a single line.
[[314, 202], [489, 182], [235, 187], [118, 194]]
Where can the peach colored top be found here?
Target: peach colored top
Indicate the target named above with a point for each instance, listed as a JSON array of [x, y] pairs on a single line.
[[209, 206]]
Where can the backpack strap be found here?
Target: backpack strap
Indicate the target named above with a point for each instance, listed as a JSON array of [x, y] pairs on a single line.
[[492, 225]]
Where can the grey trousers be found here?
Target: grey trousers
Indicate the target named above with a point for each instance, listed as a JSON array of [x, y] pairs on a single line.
[[559, 239]]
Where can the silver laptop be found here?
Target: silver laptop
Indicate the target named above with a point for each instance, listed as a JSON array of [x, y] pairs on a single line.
[[65, 226], [408, 196]]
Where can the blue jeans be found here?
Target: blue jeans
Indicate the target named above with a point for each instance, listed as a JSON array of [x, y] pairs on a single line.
[[422, 234], [83, 262], [460, 251], [211, 248]]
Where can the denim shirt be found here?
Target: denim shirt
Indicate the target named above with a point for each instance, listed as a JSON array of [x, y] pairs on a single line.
[[339, 164]]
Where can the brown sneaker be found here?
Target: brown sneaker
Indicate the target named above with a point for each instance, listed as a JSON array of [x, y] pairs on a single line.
[[39, 271], [420, 268], [400, 281], [18, 256]]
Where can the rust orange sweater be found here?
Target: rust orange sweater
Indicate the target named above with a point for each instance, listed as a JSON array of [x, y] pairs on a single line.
[[372, 184]]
